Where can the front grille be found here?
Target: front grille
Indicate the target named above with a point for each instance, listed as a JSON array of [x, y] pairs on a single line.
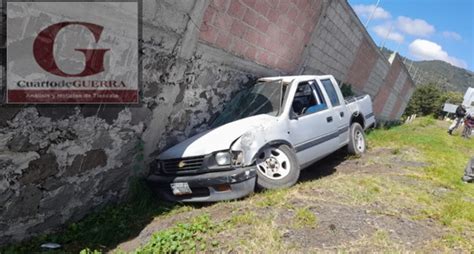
[[182, 164]]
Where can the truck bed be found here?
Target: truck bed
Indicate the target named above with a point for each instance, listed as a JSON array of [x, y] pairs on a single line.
[[362, 105]]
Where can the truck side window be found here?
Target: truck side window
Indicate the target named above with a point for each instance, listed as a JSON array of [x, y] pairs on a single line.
[[307, 100], [331, 91], [321, 102]]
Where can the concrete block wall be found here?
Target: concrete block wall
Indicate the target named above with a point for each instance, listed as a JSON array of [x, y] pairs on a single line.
[[193, 61], [405, 95], [385, 90], [331, 50], [341, 46], [376, 77], [391, 100], [271, 33], [362, 66]]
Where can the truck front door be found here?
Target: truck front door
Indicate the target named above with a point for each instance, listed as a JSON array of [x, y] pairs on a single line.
[[312, 124]]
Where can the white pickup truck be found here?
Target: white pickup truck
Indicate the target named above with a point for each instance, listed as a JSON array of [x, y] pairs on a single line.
[[262, 139]]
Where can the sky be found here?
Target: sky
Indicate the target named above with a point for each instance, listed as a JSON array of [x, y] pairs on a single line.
[[422, 29]]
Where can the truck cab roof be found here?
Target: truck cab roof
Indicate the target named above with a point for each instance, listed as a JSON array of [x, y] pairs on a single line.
[[289, 79]]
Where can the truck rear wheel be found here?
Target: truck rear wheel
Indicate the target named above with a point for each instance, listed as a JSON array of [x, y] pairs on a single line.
[[277, 167], [357, 144]]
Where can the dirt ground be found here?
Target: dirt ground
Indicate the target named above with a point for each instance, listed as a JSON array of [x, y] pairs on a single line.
[[344, 220]]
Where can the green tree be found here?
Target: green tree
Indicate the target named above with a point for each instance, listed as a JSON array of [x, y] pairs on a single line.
[[429, 99], [346, 90], [425, 100]]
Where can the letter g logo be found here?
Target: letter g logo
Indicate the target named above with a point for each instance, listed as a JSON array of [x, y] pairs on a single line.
[[43, 50]]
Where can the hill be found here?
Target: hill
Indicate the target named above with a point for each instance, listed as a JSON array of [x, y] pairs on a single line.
[[445, 75]]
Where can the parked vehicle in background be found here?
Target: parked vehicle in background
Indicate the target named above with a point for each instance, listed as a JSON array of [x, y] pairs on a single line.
[[469, 97], [263, 138], [468, 103]]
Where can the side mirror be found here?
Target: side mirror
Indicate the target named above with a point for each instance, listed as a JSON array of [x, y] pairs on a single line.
[[293, 115]]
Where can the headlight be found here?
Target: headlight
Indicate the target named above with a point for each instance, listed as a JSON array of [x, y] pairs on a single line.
[[223, 158]]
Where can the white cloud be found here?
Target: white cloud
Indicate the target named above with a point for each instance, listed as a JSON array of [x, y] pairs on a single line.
[[366, 10], [452, 35], [428, 50], [417, 27], [382, 32]]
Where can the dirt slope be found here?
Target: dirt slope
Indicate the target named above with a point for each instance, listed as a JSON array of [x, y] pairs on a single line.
[[357, 204]]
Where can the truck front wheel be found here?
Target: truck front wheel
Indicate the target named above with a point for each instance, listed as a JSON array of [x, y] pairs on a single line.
[[357, 144], [276, 167]]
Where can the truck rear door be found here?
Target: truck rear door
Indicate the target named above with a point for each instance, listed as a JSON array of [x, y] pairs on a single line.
[[340, 113]]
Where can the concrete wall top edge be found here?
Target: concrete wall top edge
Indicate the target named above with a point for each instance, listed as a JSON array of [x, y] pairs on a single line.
[[362, 27], [404, 68]]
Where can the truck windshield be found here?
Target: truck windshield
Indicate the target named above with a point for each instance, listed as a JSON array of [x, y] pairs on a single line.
[[262, 98]]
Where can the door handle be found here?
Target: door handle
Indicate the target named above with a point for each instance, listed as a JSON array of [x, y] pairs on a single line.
[[342, 114], [329, 119]]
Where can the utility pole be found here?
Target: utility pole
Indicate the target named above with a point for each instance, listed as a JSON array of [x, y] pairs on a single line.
[[398, 46], [411, 64], [416, 72], [372, 14], [420, 78]]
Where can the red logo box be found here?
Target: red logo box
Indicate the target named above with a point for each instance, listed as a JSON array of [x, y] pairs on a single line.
[[72, 52]]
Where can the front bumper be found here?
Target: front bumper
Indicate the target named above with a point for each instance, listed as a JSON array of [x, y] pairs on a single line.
[[204, 186]]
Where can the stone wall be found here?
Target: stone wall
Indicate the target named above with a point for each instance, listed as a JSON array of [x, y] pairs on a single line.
[[2, 48], [60, 162]]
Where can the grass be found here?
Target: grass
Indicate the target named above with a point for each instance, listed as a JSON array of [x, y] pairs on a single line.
[[430, 190], [270, 198], [260, 235], [304, 217], [379, 241], [184, 237], [447, 154], [246, 218], [447, 157]]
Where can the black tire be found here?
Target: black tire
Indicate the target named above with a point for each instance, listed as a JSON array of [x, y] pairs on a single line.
[[354, 147], [264, 182]]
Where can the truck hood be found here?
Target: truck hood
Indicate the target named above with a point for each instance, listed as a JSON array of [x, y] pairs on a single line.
[[217, 139]]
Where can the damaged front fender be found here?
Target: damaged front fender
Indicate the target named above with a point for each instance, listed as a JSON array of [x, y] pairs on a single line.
[[252, 142]]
